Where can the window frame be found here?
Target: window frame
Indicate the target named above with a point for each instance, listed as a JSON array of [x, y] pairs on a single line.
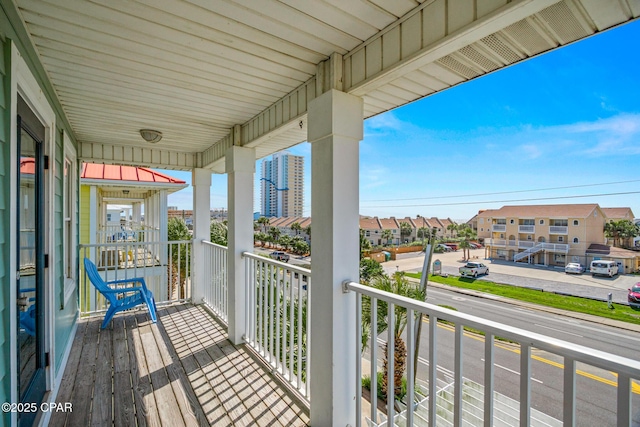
[[70, 220]]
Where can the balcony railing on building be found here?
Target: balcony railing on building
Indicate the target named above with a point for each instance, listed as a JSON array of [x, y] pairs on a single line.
[[277, 311], [558, 229], [498, 227], [527, 229]]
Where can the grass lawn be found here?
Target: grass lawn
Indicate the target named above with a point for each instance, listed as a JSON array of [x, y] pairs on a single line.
[[570, 303]]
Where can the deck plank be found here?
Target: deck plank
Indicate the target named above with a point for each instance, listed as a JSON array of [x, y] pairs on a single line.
[[180, 371], [160, 384], [102, 389], [186, 399], [85, 378], [123, 406], [146, 412], [69, 379]]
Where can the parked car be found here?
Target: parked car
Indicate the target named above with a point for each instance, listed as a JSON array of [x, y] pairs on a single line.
[[633, 297], [574, 268], [444, 247], [280, 256], [604, 267], [473, 269]]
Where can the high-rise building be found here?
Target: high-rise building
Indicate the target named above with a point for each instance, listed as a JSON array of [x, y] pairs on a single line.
[[282, 185]]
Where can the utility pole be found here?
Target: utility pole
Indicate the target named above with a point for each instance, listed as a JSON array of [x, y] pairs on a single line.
[[428, 253]]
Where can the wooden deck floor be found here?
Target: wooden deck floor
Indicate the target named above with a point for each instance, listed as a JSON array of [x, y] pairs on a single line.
[[181, 371]]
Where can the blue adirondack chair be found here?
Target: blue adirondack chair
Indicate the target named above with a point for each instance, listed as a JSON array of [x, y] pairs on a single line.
[[131, 296]]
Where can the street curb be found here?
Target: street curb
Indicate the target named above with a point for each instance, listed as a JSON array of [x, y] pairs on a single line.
[[575, 315]]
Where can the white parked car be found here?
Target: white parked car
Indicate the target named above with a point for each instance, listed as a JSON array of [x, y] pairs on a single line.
[[574, 268]]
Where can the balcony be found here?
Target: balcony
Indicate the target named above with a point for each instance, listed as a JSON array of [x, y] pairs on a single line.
[[499, 228], [558, 229], [527, 229], [184, 369]]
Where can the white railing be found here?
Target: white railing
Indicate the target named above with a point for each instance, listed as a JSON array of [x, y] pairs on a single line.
[[498, 227], [117, 233], [555, 247], [558, 229], [278, 317], [526, 243], [526, 229], [512, 243], [625, 369], [495, 242], [165, 266], [215, 290]]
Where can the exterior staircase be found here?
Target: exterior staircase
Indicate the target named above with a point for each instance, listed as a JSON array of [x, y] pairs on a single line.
[[506, 411], [530, 251]]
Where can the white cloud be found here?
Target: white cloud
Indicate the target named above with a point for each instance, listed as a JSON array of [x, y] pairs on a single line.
[[531, 151]]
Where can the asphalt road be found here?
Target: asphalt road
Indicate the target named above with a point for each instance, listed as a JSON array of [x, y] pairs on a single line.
[[596, 388]]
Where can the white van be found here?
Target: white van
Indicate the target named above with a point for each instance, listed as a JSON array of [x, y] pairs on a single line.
[[604, 267]]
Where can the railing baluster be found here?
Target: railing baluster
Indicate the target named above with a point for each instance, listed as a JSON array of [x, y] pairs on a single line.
[[390, 363], [525, 384], [411, 345], [307, 380], [569, 391], [373, 347], [488, 379], [433, 365], [359, 360], [279, 273], [291, 323], [299, 345], [459, 352], [624, 400]]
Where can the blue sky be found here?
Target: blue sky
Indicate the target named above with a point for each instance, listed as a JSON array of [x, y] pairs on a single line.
[[569, 118]]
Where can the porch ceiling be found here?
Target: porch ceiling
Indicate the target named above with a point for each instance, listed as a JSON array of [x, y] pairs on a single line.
[[194, 69]]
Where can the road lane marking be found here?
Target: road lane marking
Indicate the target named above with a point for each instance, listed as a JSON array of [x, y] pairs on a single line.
[[513, 372], [635, 387], [559, 330]]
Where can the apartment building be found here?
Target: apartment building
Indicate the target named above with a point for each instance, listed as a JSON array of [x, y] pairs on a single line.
[[542, 234], [282, 185]]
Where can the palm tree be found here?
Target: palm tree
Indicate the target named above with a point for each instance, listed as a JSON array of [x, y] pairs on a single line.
[[620, 231], [285, 241], [386, 235], [365, 244], [399, 285], [296, 227], [263, 221], [308, 231], [422, 233], [467, 234], [454, 228], [405, 230], [274, 233]]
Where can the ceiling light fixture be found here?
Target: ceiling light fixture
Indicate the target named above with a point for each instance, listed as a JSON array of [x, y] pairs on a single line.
[[151, 135]]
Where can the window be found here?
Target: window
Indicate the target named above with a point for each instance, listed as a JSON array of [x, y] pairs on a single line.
[[69, 215], [560, 239], [481, 229], [502, 235], [576, 222], [511, 221], [108, 217], [528, 222], [529, 237], [575, 240], [481, 220], [542, 222]]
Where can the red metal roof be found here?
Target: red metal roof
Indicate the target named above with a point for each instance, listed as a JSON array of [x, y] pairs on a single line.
[[125, 173]]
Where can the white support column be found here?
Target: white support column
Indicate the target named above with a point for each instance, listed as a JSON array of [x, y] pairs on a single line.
[[201, 181], [163, 215], [136, 216], [335, 129], [240, 167]]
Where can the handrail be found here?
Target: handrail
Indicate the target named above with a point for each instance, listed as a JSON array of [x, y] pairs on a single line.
[[623, 367], [288, 266], [581, 353], [206, 242]]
